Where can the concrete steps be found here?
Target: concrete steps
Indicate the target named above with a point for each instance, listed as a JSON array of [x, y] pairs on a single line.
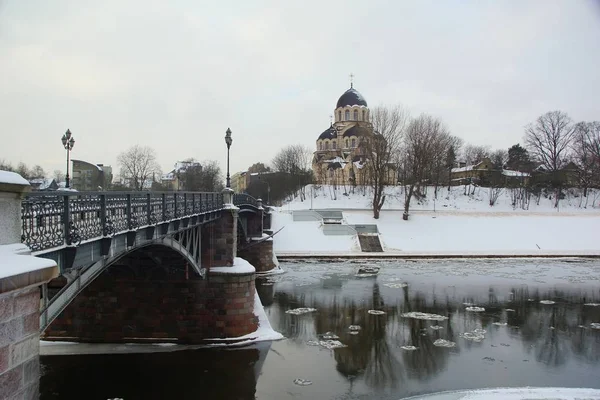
[[370, 243]]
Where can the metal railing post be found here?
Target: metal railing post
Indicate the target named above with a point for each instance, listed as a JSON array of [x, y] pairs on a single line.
[[148, 209], [164, 207], [103, 214], [128, 211], [67, 219], [184, 204], [175, 206]]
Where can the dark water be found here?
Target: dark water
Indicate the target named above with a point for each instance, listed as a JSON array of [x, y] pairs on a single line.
[[526, 342]]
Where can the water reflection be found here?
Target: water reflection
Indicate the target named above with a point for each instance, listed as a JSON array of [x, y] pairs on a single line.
[[207, 373], [550, 334]]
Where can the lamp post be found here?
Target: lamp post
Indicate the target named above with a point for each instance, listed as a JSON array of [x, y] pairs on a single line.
[[228, 140], [68, 142]]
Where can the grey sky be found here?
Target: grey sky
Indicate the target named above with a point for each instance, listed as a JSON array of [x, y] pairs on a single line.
[[175, 75]]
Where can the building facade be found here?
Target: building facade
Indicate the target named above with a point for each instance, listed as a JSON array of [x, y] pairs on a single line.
[[90, 177]]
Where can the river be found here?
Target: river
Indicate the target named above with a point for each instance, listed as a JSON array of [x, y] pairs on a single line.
[[415, 327]]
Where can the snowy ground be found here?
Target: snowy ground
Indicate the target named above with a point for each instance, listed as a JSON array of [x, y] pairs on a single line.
[[460, 225]]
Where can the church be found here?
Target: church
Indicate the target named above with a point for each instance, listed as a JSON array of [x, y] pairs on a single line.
[[341, 157]]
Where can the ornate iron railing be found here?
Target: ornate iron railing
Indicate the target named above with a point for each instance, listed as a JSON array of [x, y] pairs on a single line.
[[55, 219], [244, 199]]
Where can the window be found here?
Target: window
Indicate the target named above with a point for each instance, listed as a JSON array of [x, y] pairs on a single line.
[[333, 145], [320, 145], [331, 173], [326, 145], [339, 115], [356, 115], [353, 142], [346, 143], [363, 115], [347, 115]]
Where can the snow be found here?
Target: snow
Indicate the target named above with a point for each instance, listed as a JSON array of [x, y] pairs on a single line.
[[514, 394], [460, 225], [240, 266], [12, 178], [508, 172], [16, 259]]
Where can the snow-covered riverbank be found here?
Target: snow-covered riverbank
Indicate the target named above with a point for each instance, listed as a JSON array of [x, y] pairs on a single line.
[[460, 225]]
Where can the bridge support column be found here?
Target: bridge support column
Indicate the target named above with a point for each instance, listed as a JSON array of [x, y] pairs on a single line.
[[20, 277]]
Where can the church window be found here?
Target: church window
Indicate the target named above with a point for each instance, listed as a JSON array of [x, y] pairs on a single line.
[[347, 115], [326, 145], [363, 115], [339, 115], [353, 142], [333, 145], [346, 143], [356, 115], [320, 145]]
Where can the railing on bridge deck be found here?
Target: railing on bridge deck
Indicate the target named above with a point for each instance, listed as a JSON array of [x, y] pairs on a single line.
[[241, 199], [52, 220]]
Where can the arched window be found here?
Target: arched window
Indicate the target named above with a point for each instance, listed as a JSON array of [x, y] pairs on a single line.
[[346, 143], [333, 145], [347, 115], [363, 115], [356, 115], [331, 173], [353, 142], [339, 115], [326, 145], [320, 145]]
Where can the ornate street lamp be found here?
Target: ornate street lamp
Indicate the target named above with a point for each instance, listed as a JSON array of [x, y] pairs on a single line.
[[228, 140], [68, 143]]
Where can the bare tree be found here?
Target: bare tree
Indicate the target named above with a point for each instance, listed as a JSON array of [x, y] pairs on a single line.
[[549, 139], [295, 161], [499, 158], [473, 154], [138, 164], [389, 124], [420, 143], [58, 175], [586, 151]]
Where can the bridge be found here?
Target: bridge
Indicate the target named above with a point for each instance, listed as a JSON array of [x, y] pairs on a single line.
[[130, 266]]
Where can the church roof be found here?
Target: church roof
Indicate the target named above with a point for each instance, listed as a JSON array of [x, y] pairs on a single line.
[[351, 97], [357, 131], [329, 133]]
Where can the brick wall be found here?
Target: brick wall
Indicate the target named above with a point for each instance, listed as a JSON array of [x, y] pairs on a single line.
[[260, 255], [19, 344], [219, 240], [120, 309], [254, 224]]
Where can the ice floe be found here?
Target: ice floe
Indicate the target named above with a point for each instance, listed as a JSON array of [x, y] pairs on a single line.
[[499, 323], [408, 348], [354, 328], [477, 335], [301, 310], [509, 310], [376, 312], [595, 325], [425, 316], [475, 309], [332, 344], [444, 343], [547, 302], [396, 285], [302, 382], [592, 304], [329, 336]]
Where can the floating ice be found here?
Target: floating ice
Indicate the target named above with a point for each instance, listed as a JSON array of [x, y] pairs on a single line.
[[475, 309], [444, 343], [436, 327], [329, 336], [301, 310], [547, 302], [376, 312], [302, 382], [364, 275], [353, 332], [395, 285], [477, 335], [313, 343], [592, 304], [468, 304], [332, 344], [422, 315], [595, 325], [408, 348], [499, 323], [354, 328], [509, 310]]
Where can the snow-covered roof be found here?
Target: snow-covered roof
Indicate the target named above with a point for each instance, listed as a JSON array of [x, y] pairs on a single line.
[[41, 183], [12, 178], [463, 169], [508, 172]]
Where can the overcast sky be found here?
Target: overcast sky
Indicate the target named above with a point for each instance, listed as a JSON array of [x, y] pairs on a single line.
[[174, 75]]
